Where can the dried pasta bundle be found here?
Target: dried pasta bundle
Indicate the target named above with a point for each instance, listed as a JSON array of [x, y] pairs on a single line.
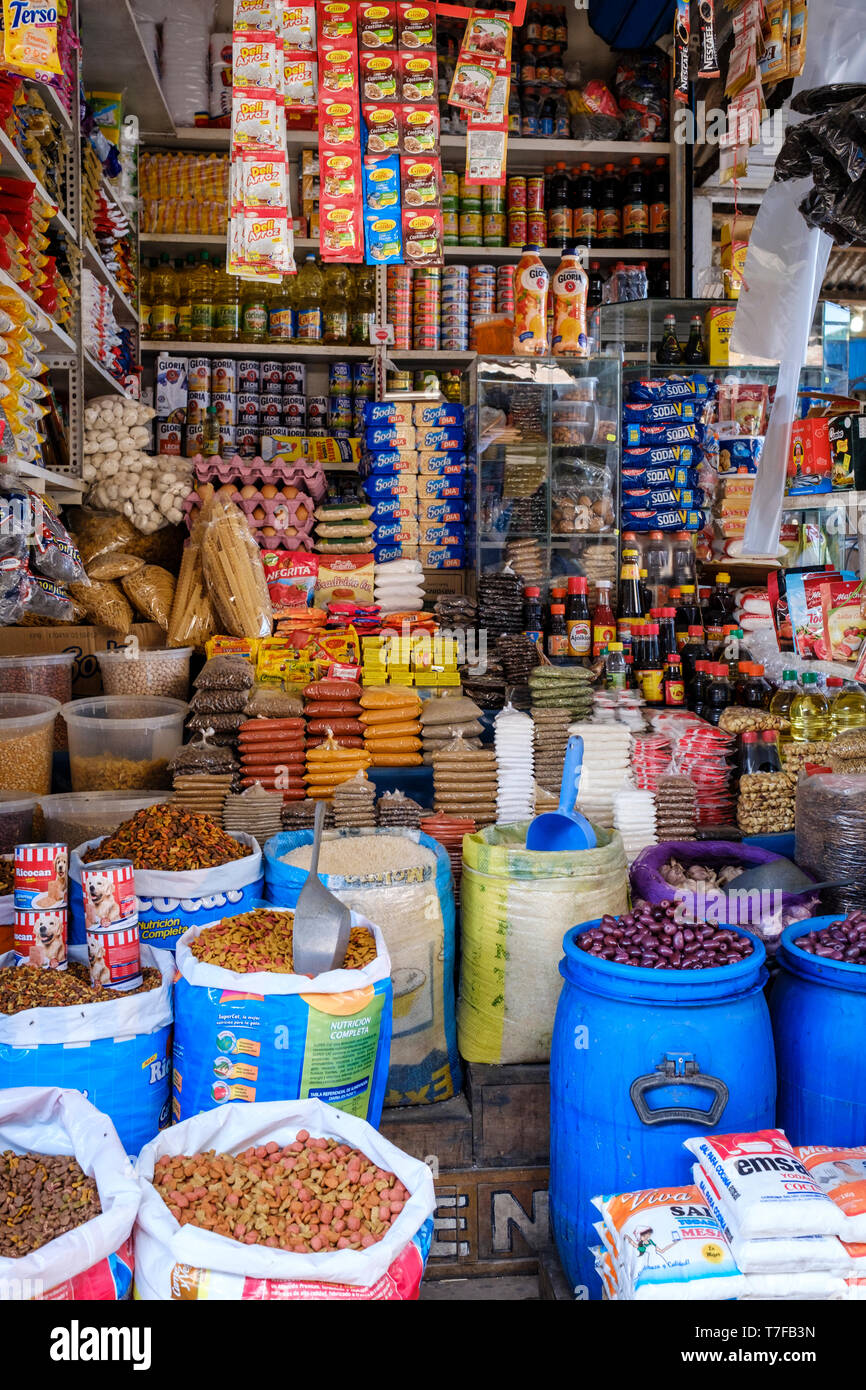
[[233, 570], [192, 619]]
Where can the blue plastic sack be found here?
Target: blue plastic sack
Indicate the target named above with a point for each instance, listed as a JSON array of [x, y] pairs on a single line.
[[170, 903], [264, 1036], [116, 1053], [414, 908]]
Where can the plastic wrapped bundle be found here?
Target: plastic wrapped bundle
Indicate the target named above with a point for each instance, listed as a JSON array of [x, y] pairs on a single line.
[[830, 828]]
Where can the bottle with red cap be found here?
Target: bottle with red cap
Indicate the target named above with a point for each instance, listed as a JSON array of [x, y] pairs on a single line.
[[750, 753], [696, 688], [533, 614], [651, 671], [557, 633], [771, 760], [577, 619], [719, 694], [665, 617], [675, 690], [694, 649]]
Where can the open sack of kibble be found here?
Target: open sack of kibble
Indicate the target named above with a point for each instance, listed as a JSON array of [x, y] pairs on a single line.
[[170, 902], [93, 1260], [187, 1261], [329, 1036]]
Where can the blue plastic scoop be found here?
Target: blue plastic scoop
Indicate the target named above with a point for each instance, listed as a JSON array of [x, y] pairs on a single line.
[[565, 828]]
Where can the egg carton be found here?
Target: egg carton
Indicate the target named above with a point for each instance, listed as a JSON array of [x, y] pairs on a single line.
[[300, 473], [279, 514]]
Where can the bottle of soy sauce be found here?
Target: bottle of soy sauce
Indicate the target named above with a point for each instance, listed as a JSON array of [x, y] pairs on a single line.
[[695, 353], [669, 351]]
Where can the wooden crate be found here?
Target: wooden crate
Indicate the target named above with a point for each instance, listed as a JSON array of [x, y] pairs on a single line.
[[441, 1132], [510, 1115], [489, 1221]]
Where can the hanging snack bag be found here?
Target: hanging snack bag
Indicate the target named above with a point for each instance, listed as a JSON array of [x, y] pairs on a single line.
[[256, 55]]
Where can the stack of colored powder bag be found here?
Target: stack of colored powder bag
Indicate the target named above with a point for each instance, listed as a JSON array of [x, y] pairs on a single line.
[[663, 434], [390, 717], [414, 468], [329, 764]]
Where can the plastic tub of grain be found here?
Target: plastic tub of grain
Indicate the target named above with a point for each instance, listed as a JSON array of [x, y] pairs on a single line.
[[26, 742], [164, 671], [73, 817], [123, 742], [16, 820], [40, 675]]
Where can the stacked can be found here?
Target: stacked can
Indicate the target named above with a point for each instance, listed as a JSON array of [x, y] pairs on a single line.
[[40, 903], [363, 389], [111, 924], [426, 308], [482, 296], [340, 400], [494, 222], [516, 225], [455, 308], [505, 289], [399, 301], [450, 208], [536, 217], [471, 219]]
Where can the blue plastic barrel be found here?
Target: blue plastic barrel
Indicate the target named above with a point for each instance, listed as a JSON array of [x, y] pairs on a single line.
[[642, 1060], [818, 1007]]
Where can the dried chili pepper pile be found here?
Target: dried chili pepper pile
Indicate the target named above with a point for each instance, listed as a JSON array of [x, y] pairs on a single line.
[[168, 838]]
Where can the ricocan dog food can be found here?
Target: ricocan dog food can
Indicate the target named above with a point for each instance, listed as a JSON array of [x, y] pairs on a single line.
[[41, 877], [111, 924], [41, 937]]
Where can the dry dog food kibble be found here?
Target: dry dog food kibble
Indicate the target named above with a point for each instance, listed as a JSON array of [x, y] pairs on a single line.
[[262, 940], [842, 940], [651, 938], [168, 838], [310, 1195], [30, 987], [42, 1196]]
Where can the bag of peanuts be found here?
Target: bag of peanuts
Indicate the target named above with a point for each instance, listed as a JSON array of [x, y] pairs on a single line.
[[117, 1051], [91, 1256], [210, 1254], [327, 1037]]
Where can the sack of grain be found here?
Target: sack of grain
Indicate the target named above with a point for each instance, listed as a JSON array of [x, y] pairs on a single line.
[[401, 880], [186, 1262], [327, 1037], [93, 1261], [516, 905], [117, 1052]]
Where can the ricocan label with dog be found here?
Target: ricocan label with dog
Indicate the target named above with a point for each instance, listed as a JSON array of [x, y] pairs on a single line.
[[114, 956], [41, 938], [111, 923], [41, 882]]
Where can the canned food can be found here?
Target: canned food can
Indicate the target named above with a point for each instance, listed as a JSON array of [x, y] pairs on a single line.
[[271, 375], [340, 412], [224, 375], [114, 956], [294, 379], [317, 409], [536, 228], [450, 227], [535, 194], [197, 403], [494, 228], [108, 891], [339, 379], [492, 197], [271, 431], [225, 406], [470, 229], [450, 184], [317, 432], [41, 876], [426, 381], [168, 438], [517, 225], [248, 409], [194, 437], [248, 441], [294, 410], [358, 419], [516, 193], [469, 193], [249, 374], [399, 381], [270, 409], [198, 374], [228, 440], [41, 937], [363, 380]]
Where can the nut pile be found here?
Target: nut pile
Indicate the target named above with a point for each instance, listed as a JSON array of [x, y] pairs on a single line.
[[696, 876], [103, 774], [308, 1196], [30, 987], [262, 940], [737, 719], [169, 838], [795, 755], [42, 1196], [766, 803], [651, 938], [151, 673], [843, 940]]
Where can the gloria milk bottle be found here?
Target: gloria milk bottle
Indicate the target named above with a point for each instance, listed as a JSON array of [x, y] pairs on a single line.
[[570, 285], [531, 283]]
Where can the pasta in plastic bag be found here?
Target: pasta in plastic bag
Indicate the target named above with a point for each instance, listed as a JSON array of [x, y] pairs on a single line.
[[151, 589], [192, 620], [233, 570]]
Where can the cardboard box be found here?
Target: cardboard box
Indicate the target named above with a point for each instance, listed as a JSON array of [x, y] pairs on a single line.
[[83, 641]]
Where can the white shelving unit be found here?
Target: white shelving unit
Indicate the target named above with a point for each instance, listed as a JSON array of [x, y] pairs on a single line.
[[123, 309]]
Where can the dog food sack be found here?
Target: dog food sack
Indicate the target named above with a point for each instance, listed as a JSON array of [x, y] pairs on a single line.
[[249, 1034], [116, 1050], [401, 880], [170, 903], [89, 1258], [213, 1255]]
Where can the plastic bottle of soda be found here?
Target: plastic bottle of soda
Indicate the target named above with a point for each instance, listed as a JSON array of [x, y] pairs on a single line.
[[559, 208], [584, 214], [659, 207], [609, 220], [531, 284], [635, 208]]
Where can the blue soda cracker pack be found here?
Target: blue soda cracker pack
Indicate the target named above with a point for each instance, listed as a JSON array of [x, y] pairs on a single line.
[[648, 435], [432, 437], [387, 413], [437, 465], [390, 461], [686, 454], [645, 519], [379, 485], [383, 554], [443, 535], [659, 477], [444, 557], [662, 412], [379, 438], [446, 512], [393, 508], [441, 486], [396, 532], [642, 497], [438, 414], [672, 388]]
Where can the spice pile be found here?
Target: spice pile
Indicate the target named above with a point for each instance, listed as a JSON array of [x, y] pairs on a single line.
[[262, 940], [42, 1196], [31, 987], [311, 1195], [169, 838]]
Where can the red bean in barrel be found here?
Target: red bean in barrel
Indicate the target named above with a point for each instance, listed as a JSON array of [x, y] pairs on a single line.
[[843, 940], [651, 937]]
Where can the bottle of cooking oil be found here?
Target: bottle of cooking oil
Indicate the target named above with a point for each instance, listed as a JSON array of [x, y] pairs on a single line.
[[363, 305], [336, 304], [309, 298], [227, 308], [183, 272], [281, 311], [809, 715], [163, 304], [201, 301], [847, 705], [784, 698], [254, 311], [145, 294]]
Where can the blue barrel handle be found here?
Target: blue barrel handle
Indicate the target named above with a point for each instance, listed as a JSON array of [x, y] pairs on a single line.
[[681, 1068]]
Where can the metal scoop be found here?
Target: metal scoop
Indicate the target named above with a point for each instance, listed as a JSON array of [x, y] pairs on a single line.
[[564, 828], [320, 935], [782, 875]]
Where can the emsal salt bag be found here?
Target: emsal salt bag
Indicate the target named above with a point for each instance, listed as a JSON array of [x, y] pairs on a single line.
[[665, 1244], [764, 1189], [775, 1254], [841, 1173]]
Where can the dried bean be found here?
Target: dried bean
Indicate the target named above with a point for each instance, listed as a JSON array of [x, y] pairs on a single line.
[[650, 937], [843, 940], [103, 773]]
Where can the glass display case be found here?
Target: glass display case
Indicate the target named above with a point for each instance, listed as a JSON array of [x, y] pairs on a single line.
[[545, 436]]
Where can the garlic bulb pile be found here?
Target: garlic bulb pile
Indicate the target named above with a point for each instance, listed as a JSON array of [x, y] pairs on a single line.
[[147, 489]]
